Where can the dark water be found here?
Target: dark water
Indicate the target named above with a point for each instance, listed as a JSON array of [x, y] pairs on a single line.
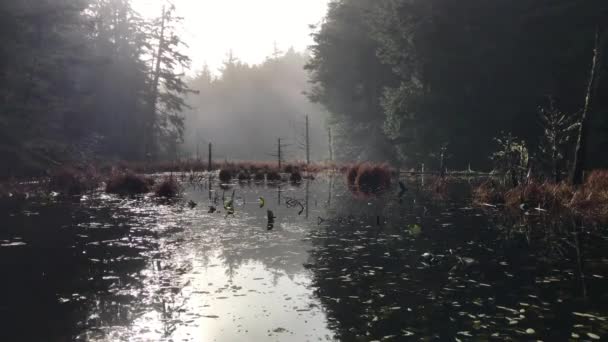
[[335, 266]]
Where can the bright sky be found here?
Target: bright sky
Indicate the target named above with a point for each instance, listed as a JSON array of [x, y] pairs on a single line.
[[248, 27]]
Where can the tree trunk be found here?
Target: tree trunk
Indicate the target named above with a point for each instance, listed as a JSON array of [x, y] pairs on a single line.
[[149, 141], [307, 143], [580, 162]]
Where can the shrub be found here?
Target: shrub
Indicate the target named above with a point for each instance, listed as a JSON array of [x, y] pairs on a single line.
[[168, 188], [128, 184]]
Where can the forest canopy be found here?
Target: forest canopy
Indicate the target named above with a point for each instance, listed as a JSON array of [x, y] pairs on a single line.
[[405, 81], [425, 76], [83, 78]]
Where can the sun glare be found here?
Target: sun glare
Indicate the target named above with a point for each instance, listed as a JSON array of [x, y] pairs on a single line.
[[249, 28]]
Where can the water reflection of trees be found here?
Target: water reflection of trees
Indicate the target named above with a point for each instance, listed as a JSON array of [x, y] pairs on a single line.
[[280, 250], [67, 277], [381, 265], [465, 275]]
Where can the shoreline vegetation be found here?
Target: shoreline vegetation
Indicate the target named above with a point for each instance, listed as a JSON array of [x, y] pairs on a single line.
[[588, 201]]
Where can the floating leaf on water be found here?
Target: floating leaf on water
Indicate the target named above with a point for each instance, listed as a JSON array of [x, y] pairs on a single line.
[[586, 315], [507, 309], [13, 244], [414, 229], [407, 333], [228, 204]]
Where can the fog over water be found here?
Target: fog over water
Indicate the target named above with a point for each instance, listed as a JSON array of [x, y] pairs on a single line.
[[303, 170], [250, 29]]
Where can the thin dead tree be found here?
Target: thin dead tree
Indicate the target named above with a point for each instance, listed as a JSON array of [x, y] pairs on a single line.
[[580, 162]]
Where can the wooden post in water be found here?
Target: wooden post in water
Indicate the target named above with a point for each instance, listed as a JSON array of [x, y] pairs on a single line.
[[442, 163], [331, 147], [209, 166], [279, 153], [307, 143], [422, 174]]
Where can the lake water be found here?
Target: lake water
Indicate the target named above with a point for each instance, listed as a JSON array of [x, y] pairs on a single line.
[[334, 266]]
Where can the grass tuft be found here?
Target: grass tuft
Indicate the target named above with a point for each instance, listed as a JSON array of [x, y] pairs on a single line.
[[168, 188], [226, 175], [295, 177], [369, 178], [128, 184], [590, 200], [273, 176], [72, 181]]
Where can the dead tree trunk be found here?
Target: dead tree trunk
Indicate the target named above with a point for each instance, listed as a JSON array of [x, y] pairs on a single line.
[[307, 142], [279, 153], [331, 145], [580, 162], [210, 161], [154, 88]]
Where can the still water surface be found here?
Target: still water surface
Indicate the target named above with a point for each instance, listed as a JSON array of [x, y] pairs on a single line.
[[335, 266]]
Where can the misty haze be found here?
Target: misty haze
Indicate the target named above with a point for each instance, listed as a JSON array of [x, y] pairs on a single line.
[[303, 170]]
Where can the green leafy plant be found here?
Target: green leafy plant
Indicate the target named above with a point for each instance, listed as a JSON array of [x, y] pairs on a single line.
[[559, 132], [512, 158]]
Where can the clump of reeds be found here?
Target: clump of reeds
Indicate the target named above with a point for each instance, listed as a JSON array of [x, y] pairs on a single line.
[[295, 177], [546, 195], [259, 176], [289, 168], [72, 181], [168, 188], [128, 183], [591, 200], [532, 194], [235, 167], [489, 192], [351, 174], [369, 178], [226, 175], [273, 176], [244, 176], [442, 187]]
